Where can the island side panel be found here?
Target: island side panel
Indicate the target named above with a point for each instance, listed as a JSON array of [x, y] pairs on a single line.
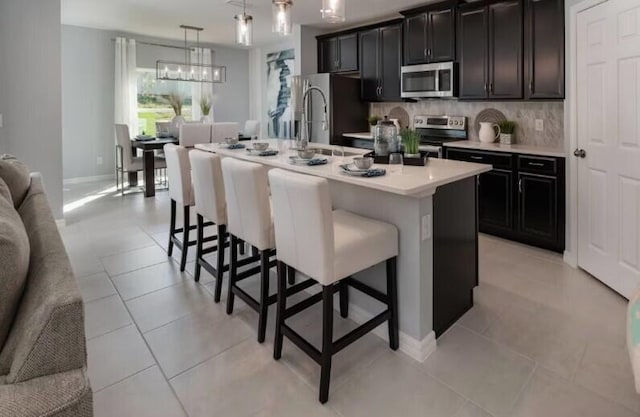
[[455, 253], [415, 259]]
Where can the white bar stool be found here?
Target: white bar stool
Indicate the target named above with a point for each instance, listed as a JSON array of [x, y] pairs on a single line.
[[180, 192], [328, 246], [211, 204], [250, 220]]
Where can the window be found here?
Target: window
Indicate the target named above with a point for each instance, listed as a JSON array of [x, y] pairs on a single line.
[[152, 100]]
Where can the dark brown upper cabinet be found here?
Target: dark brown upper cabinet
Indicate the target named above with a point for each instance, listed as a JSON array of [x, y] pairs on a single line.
[[338, 54], [544, 49], [490, 51], [430, 36], [380, 62]]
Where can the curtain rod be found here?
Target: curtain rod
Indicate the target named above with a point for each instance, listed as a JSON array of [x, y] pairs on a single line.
[[159, 44]]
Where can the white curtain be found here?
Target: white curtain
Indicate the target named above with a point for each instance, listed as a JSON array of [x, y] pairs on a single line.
[[126, 86], [199, 90]]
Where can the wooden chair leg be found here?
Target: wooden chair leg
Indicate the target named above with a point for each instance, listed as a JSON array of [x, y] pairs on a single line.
[[233, 267], [392, 295], [199, 247], [327, 342], [222, 239], [172, 226], [344, 299], [281, 309], [291, 275], [264, 295], [185, 239]]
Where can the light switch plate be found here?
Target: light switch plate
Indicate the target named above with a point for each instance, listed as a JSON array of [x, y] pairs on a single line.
[[426, 227], [539, 125], [1, 120]]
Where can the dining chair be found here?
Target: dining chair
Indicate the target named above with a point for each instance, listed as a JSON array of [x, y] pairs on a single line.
[[251, 128], [126, 161], [192, 134], [224, 130]]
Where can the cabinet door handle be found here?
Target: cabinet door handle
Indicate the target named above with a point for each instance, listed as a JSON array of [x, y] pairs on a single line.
[[485, 87], [477, 158], [520, 185], [426, 53], [429, 52], [531, 86], [491, 87], [536, 164]]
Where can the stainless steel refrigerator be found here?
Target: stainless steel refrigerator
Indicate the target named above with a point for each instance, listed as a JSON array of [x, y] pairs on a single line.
[[346, 113]]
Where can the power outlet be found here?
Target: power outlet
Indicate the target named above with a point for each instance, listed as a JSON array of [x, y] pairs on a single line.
[[99, 161], [539, 125], [426, 227]]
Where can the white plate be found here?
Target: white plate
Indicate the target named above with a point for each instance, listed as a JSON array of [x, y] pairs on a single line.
[[352, 168]]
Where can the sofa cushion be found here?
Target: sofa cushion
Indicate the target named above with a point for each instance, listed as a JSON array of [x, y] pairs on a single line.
[[14, 264], [16, 175], [5, 192]]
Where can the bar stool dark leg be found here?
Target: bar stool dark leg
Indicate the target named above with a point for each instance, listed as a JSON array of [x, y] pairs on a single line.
[[344, 299], [392, 296], [185, 240], [281, 309], [327, 342], [291, 274], [199, 245], [233, 268], [264, 295], [222, 239], [243, 247], [172, 226]]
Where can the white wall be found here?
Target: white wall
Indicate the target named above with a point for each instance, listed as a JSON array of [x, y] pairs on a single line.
[[88, 93], [30, 91]]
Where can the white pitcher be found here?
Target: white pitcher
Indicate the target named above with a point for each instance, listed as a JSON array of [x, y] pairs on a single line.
[[489, 132]]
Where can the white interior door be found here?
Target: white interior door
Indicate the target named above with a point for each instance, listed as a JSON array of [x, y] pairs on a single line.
[[608, 116]]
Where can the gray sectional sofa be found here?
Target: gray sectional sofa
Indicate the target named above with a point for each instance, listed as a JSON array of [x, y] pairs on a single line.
[[43, 358]]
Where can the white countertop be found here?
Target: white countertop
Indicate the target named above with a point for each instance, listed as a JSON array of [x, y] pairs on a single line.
[[515, 148], [412, 181], [361, 135]]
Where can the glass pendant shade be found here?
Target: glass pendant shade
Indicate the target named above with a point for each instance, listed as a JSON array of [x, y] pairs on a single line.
[[333, 11], [282, 16], [244, 29]]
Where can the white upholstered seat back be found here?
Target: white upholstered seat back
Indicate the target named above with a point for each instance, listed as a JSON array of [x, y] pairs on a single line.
[[208, 186], [123, 139], [224, 130], [303, 222], [179, 174], [251, 128], [192, 134], [248, 206]]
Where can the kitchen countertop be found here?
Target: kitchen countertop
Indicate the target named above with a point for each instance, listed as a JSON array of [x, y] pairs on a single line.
[[413, 181], [360, 135], [515, 148]]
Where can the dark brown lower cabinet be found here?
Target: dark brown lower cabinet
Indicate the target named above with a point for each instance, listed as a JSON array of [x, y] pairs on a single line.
[[522, 198]]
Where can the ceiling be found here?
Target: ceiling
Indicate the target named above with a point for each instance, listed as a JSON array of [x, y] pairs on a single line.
[[161, 18]]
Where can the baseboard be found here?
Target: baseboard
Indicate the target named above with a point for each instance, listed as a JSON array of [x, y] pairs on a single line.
[[419, 350], [570, 258], [82, 180]]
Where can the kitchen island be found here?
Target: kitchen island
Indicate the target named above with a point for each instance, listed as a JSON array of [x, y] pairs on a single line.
[[434, 209]]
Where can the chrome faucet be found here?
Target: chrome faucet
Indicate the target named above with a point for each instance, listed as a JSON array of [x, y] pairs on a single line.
[[306, 124]]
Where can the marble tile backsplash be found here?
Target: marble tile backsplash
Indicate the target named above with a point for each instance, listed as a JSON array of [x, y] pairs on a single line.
[[523, 113]]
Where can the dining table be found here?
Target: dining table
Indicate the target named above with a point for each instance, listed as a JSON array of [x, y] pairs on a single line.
[[148, 147]]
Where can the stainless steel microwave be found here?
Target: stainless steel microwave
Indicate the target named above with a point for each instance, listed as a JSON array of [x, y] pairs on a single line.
[[429, 80]]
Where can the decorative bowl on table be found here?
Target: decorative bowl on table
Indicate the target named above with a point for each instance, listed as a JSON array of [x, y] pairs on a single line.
[[363, 162], [230, 141], [260, 146], [306, 153]]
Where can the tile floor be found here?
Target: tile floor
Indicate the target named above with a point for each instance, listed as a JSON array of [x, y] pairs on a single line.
[[542, 340]]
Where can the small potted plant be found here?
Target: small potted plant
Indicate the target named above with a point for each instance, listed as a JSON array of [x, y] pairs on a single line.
[[411, 144], [373, 122], [175, 101], [205, 108], [507, 129]]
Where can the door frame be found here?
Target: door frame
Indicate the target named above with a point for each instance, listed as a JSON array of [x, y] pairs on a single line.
[[571, 128]]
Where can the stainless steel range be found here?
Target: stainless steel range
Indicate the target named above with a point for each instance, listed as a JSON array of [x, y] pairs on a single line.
[[436, 130]]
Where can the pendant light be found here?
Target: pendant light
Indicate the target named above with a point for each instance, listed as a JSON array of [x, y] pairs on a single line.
[[244, 27], [282, 16], [333, 11]]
